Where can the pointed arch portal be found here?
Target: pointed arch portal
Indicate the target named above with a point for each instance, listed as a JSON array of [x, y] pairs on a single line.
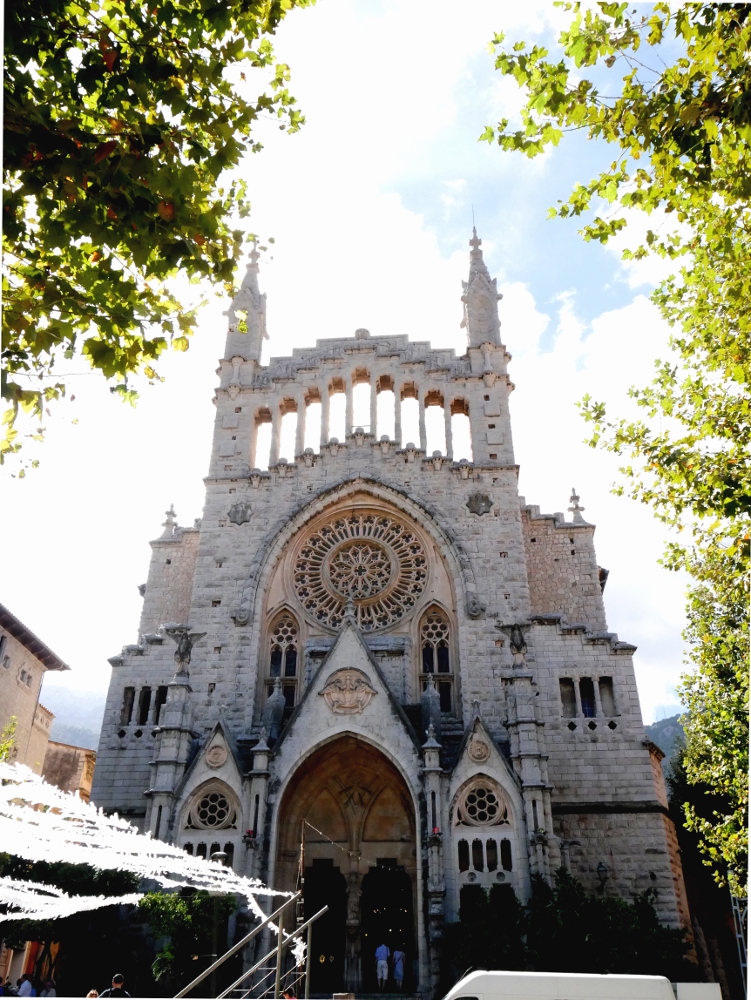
[[359, 856]]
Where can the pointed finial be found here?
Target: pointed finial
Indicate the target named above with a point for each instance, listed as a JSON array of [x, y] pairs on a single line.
[[169, 524], [255, 256], [262, 738], [476, 707], [349, 609], [575, 509], [475, 242], [431, 743]]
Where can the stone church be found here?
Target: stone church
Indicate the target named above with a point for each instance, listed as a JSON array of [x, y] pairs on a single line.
[[373, 665]]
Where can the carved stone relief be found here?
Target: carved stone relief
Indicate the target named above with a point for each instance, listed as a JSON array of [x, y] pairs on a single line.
[[239, 513], [348, 692], [479, 503], [478, 751], [216, 755]]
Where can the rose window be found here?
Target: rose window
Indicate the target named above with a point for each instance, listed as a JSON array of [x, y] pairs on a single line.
[[360, 570], [481, 806], [373, 560], [213, 811]]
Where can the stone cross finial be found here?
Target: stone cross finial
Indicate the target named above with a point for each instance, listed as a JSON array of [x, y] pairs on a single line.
[[169, 524], [575, 509]]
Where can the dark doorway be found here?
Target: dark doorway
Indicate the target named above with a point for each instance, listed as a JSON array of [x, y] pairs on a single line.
[[325, 886], [386, 908]]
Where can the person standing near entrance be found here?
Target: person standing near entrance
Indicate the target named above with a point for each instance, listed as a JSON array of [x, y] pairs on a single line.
[[398, 968], [382, 964]]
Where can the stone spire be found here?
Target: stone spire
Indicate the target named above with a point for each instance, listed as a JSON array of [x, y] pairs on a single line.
[[247, 316], [480, 300]]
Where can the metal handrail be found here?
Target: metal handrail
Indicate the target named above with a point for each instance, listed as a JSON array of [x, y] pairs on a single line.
[[274, 951], [237, 947]]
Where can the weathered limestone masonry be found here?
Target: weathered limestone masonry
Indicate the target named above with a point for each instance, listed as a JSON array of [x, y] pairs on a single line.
[[383, 652]]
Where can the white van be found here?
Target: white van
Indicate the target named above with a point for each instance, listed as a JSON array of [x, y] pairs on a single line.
[[571, 986]]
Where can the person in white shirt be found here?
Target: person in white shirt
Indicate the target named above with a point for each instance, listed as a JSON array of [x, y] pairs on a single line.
[[25, 989]]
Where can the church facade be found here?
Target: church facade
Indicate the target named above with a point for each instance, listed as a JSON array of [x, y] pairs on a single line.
[[378, 667]]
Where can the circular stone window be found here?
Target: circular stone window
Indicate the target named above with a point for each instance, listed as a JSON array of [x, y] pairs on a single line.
[[481, 805], [374, 560], [213, 812]]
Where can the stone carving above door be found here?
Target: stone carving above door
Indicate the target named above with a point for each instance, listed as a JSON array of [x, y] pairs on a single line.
[[348, 692], [216, 755], [478, 750]]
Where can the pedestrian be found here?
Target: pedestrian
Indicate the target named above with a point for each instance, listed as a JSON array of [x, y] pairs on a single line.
[[398, 968], [49, 989], [117, 990], [25, 986], [382, 964]]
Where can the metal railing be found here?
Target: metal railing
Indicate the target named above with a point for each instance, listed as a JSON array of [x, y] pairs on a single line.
[[240, 944], [277, 953]]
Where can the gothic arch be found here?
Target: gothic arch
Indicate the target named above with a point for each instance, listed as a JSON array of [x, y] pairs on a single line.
[[275, 543], [437, 607], [362, 814]]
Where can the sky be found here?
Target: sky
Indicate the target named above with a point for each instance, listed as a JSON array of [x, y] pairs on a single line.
[[371, 207]]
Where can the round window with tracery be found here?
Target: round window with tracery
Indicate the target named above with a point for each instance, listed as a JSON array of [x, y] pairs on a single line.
[[374, 560], [213, 811], [481, 805]]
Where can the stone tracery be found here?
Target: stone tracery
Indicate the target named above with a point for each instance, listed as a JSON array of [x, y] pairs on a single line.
[[373, 559]]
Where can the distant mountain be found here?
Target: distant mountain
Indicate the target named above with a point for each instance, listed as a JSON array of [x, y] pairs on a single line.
[[76, 736], [666, 734], [78, 715]]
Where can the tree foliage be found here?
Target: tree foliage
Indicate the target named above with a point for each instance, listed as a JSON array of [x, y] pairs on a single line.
[[564, 929], [188, 921], [7, 739], [683, 134], [121, 123]]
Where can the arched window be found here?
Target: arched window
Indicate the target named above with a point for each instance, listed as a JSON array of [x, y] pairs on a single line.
[[436, 656], [284, 639], [212, 809], [482, 827]]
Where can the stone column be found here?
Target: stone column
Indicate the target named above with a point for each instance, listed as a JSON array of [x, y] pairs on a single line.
[[276, 428], [373, 405], [324, 413], [431, 750], [353, 947], [398, 414], [171, 755], [598, 704], [421, 411], [300, 427], [259, 780], [447, 424], [348, 413]]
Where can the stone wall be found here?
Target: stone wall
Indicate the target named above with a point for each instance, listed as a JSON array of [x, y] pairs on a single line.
[[170, 581], [21, 676], [562, 567]]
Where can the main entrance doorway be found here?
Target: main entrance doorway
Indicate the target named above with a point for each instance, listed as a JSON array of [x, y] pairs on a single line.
[[349, 814]]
